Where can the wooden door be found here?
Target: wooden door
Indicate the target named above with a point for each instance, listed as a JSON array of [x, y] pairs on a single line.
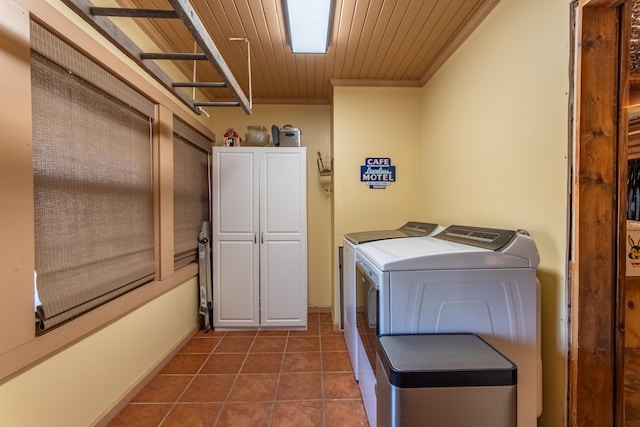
[[596, 356]]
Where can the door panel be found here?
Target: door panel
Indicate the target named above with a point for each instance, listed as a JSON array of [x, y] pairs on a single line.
[[282, 180], [284, 298], [283, 242], [235, 238], [237, 204], [238, 291]]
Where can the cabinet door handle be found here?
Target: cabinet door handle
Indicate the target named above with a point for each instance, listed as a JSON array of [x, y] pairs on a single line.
[[262, 237], [255, 238]]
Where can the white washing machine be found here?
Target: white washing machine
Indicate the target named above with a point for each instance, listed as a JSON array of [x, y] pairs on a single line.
[[352, 302], [463, 279]]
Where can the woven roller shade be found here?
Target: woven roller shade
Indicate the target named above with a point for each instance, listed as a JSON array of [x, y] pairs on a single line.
[[59, 52], [92, 192], [191, 196]]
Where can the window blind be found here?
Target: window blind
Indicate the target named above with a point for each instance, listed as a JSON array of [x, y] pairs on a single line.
[[191, 191], [92, 185]]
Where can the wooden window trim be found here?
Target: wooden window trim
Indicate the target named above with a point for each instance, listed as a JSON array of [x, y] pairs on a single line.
[[19, 348], [39, 348]]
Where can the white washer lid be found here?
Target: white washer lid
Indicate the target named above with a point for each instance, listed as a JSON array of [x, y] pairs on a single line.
[[410, 229], [429, 253]]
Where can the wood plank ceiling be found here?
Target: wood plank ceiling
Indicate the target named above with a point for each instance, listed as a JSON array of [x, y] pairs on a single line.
[[390, 42]]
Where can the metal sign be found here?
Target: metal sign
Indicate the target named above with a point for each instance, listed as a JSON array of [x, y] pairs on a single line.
[[377, 172]]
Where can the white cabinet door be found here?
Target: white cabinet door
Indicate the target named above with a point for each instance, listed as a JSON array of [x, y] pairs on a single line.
[[283, 248], [259, 237], [235, 232]]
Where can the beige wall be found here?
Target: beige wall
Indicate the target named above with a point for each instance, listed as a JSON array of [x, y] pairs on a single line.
[[374, 122], [314, 121], [75, 386], [494, 150]]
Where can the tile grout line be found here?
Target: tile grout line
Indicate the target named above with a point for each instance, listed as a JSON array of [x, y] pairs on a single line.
[[235, 380], [317, 328], [275, 397], [324, 407], [174, 404]]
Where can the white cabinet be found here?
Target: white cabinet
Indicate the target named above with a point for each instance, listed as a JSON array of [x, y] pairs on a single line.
[[259, 237]]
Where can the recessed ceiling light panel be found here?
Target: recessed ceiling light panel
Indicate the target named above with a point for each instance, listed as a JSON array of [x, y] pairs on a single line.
[[308, 24]]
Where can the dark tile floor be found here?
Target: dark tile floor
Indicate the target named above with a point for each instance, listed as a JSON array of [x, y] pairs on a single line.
[[249, 378]]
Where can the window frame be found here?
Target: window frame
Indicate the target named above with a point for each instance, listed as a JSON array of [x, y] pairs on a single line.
[[19, 346], [187, 138]]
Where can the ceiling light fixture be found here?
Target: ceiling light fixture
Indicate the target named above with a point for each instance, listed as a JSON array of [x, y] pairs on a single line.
[[308, 24]]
